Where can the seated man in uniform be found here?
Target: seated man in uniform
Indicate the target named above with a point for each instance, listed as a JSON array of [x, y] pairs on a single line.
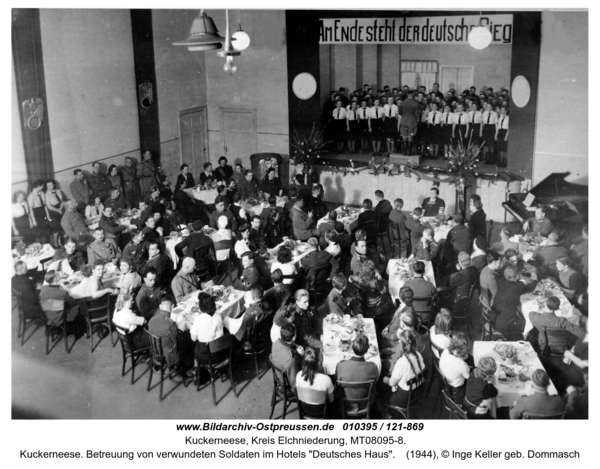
[[540, 225], [103, 249]]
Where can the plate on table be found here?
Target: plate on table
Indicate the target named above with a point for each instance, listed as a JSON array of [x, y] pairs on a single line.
[[506, 375]]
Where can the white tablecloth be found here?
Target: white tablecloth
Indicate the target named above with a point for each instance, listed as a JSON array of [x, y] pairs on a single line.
[[305, 247], [231, 309], [529, 303], [526, 248], [208, 197], [350, 222], [440, 232], [35, 262], [332, 354], [396, 282], [509, 393]]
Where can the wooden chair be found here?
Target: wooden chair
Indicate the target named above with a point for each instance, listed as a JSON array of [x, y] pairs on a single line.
[[282, 390], [465, 312], [353, 407], [317, 284], [227, 262], [260, 341], [204, 262], [426, 305], [55, 330], [456, 412], [312, 411], [556, 416], [158, 361], [24, 323], [415, 394], [383, 230], [97, 313], [220, 358], [435, 372], [129, 350], [370, 228]]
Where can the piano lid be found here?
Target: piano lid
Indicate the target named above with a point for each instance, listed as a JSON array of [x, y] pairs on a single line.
[[555, 186]]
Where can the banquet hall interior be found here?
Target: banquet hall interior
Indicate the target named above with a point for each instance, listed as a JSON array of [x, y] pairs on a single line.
[[241, 214]]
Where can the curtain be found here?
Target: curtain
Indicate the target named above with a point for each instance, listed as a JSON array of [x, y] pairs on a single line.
[[29, 75], [418, 73], [427, 80], [409, 79]]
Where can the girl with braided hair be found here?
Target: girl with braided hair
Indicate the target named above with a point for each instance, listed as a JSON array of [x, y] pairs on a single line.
[[409, 366]]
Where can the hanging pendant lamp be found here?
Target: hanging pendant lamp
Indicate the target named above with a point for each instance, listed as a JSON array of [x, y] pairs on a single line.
[[204, 35], [242, 40], [228, 52]]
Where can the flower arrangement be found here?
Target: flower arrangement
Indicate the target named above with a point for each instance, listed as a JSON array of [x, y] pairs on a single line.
[[463, 163], [307, 148]]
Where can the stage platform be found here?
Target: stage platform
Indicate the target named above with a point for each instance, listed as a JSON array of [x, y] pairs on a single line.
[[439, 164], [353, 188]]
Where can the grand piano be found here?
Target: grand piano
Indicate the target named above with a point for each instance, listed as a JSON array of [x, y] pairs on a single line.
[[568, 202]]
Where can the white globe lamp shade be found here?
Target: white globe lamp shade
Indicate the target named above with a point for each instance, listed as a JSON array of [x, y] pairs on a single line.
[[242, 40], [480, 37]]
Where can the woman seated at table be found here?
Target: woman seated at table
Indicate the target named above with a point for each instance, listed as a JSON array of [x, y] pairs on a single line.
[[91, 285], [208, 326], [130, 281], [285, 315], [389, 335], [480, 392], [21, 219], [271, 184], [409, 321], [569, 280], [409, 366], [440, 332], [373, 294], [242, 245], [185, 179], [187, 207], [286, 265], [508, 319], [94, 210], [125, 318], [454, 368], [312, 386]]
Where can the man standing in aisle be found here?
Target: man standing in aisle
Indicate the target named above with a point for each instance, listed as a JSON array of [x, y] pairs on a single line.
[[408, 112]]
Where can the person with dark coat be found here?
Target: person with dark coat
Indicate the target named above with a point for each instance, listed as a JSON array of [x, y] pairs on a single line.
[[136, 251], [368, 213], [415, 226], [286, 354], [316, 204], [383, 208], [185, 178], [162, 326], [224, 172], [26, 290], [462, 282], [306, 322], [458, 240], [508, 321], [357, 369], [477, 222]]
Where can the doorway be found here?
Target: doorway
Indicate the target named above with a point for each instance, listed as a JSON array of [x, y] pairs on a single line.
[[238, 135], [193, 133]]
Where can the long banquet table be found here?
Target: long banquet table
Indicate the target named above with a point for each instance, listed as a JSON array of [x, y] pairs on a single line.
[[397, 271], [509, 393], [333, 345]]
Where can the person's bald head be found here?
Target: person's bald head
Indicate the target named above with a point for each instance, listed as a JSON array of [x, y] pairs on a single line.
[[222, 222], [20, 268], [188, 266]]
